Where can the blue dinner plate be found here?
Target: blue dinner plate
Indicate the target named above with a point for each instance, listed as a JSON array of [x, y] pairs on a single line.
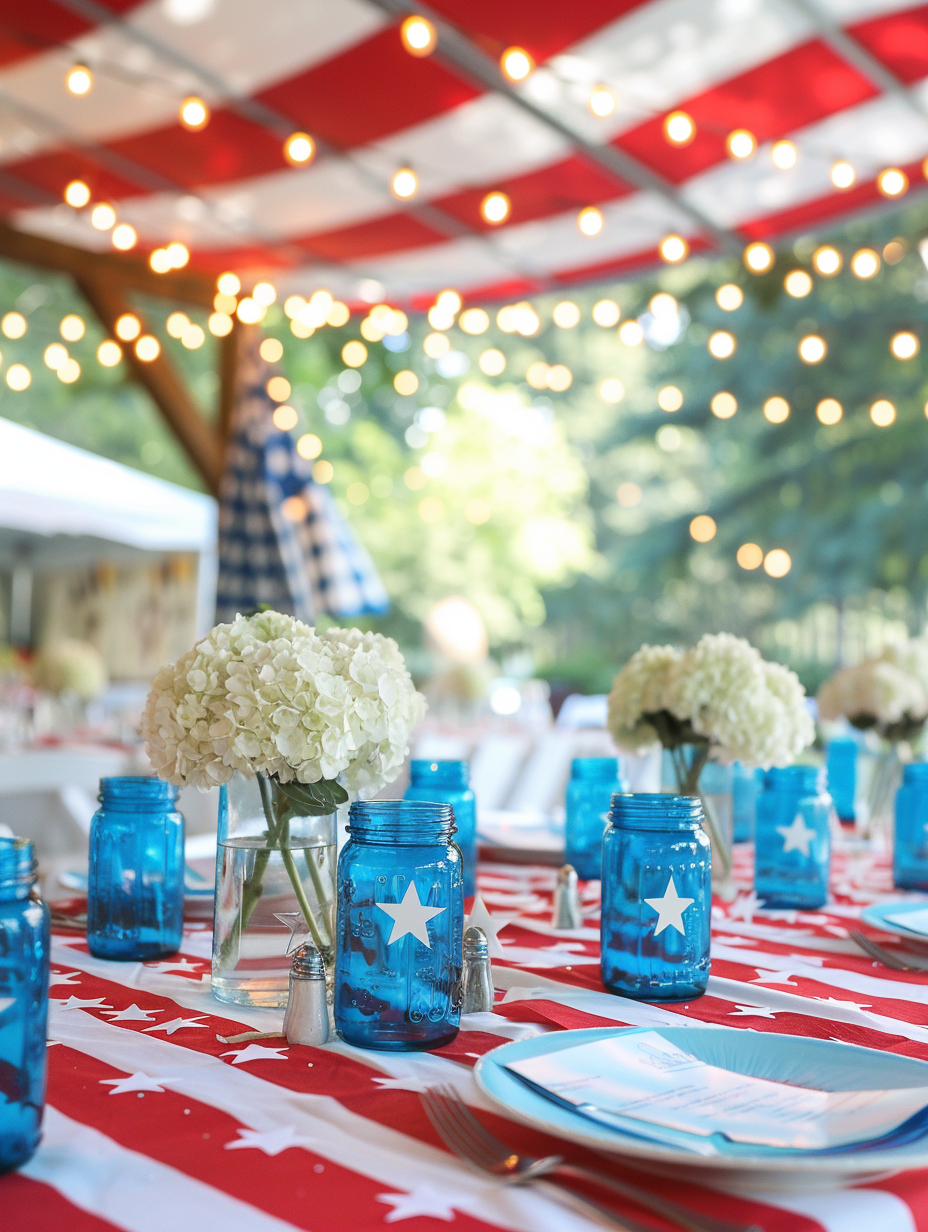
[[876, 915], [823, 1064]]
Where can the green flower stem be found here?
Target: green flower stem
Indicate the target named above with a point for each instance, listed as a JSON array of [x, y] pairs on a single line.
[[688, 784], [281, 832], [317, 883]]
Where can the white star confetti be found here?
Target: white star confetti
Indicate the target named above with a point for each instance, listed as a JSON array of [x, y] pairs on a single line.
[[255, 1052], [132, 1082]]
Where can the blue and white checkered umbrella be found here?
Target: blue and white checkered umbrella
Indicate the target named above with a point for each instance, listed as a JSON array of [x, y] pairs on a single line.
[[281, 540]]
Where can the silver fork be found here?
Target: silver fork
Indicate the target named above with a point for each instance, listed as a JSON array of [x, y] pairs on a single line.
[[462, 1133], [888, 958]]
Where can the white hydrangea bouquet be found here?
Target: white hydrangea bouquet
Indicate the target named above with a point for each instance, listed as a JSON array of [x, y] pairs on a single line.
[[720, 700], [310, 715]]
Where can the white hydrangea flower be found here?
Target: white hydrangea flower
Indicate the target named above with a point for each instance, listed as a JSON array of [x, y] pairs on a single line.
[[886, 689], [640, 688], [269, 694]]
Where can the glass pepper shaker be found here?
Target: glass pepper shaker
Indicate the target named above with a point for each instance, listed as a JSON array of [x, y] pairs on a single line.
[[793, 839], [135, 888], [447, 782], [910, 848], [589, 794], [24, 945], [400, 927], [656, 903]]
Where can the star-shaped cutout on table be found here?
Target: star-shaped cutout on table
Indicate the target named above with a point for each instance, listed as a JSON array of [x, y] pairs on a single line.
[[131, 1082], [492, 926], [270, 1141], [410, 916], [75, 1003], [184, 965], [132, 1013], [670, 909], [753, 1011], [744, 906], [63, 977], [797, 836], [421, 1201], [255, 1052], [844, 1005], [299, 929], [176, 1023], [773, 977], [407, 1083]]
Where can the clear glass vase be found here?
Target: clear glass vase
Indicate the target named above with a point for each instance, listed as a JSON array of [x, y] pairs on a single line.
[[275, 888]]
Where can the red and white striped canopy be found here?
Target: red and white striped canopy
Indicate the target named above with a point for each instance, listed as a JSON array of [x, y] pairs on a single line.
[[842, 79]]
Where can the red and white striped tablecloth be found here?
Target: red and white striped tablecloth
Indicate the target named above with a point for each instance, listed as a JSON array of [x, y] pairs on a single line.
[[154, 1125]]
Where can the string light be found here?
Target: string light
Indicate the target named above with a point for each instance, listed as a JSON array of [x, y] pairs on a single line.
[[474, 321], [827, 261], [124, 237], [436, 345], [740, 144], [843, 175], [904, 345], [193, 337], [812, 349], [159, 260], [449, 301], [777, 563], [102, 217], [228, 284], [628, 495], [69, 371], [18, 377], [883, 413], [109, 353], [602, 102], [495, 208], [55, 355], [285, 418], [14, 325], [537, 375], [249, 311], [776, 410], [518, 319], [354, 354], [724, 405], [612, 390], [606, 313], [492, 362], [865, 263], [631, 333], [663, 304], [299, 330], [798, 284], [759, 257], [829, 411], [220, 324], [722, 344], [703, 528], [750, 556], [271, 350], [405, 184], [72, 327], [278, 389], [894, 251], [323, 472], [406, 382], [265, 293], [516, 63], [892, 182], [784, 155], [79, 79], [679, 128], [309, 446], [194, 114], [729, 297], [176, 323], [566, 314], [419, 36], [673, 249], [128, 326], [147, 348], [299, 149], [560, 378], [670, 398], [590, 220], [77, 194]]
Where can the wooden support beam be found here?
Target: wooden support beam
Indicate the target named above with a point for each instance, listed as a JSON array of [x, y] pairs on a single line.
[[160, 378]]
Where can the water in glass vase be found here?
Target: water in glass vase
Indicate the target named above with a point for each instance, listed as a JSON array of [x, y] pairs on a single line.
[[273, 891]]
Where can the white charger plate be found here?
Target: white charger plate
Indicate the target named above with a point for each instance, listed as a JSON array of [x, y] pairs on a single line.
[[823, 1064]]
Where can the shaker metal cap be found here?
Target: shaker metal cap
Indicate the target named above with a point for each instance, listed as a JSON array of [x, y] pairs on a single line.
[[475, 943], [307, 963]]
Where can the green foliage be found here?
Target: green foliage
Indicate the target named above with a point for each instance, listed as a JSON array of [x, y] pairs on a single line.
[[307, 799]]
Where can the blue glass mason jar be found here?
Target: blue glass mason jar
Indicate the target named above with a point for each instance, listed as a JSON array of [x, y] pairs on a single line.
[[910, 848], [593, 780], [746, 784], [24, 945], [657, 872], [842, 778], [400, 927], [135, 884], [792, 842], [447, 782]]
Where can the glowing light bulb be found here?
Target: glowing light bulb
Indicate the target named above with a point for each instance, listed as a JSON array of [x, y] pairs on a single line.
[[679, 128], [72, 327], [299, 149], [829, 411], [77, 194], [405, 184], [673, 249], [516, 63], [722, 344], [271, 350], [14, 325], [703, 528], [883, 413], [602, 102], [612, 390], [777, 563], [776, 410], [18, 377], [55, 355], [124, 237], [750, 556], [843, 175], [69, 371], [109, 353], [812, 349], [798, 284], [474, 321], [147, 348], [905, 345], [492, 362], [228, 284], [128, 326], [590, 221], [103, 217], [729, 297], [724, 405], [759, 257], [740, 143], [176, 323], [827, 261], [495, 208], [79, 79], [892, 182], [278, 388], [194, 113], [354, 354], [566, 315], [220, 324], [178, 255], [784, 155], [419, 36], [159, 260], [631, 333], [606, 313], [865, 263], [265, 293], [670, 398], [559, 378]]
